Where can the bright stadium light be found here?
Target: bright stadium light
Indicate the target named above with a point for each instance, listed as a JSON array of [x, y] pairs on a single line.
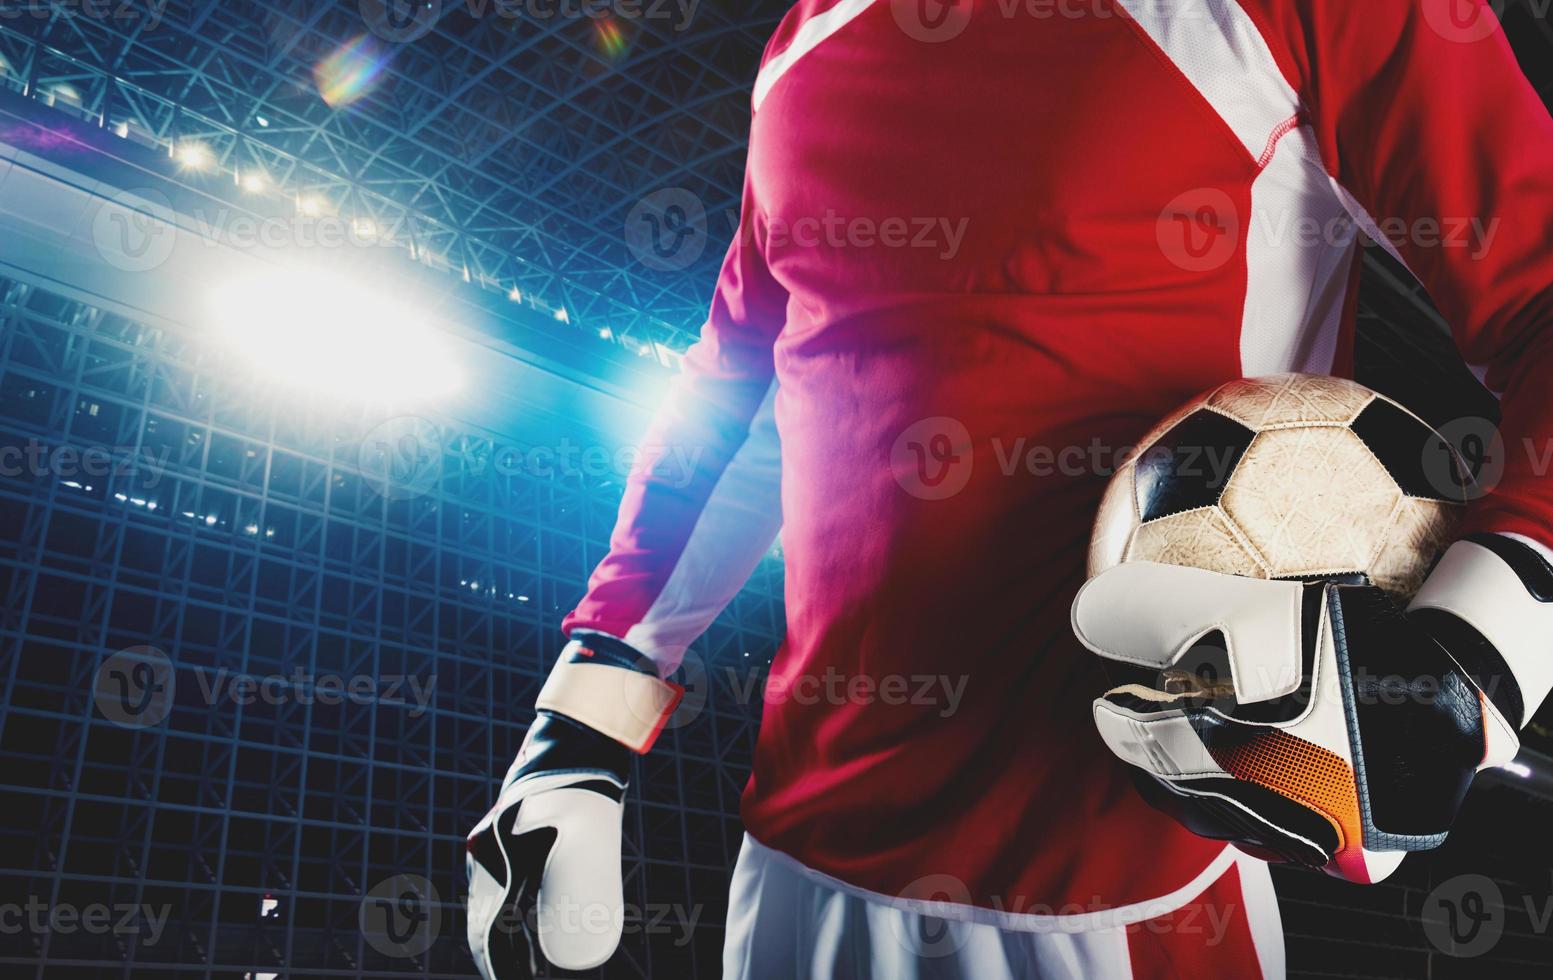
[[195, 156], [329, 334]]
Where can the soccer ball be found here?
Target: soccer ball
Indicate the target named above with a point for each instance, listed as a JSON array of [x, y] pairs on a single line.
[[1288, 477]]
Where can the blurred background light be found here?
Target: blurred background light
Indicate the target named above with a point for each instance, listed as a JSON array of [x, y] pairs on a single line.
[[611, 38], [351, 72], [334, 335], [194, 156]]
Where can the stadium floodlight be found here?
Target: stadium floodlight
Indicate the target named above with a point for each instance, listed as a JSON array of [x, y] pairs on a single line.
[[331, 334], [195, 156]]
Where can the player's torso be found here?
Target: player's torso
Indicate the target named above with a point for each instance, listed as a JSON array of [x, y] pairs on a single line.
[[1002, 151], [1042, 220], [1012, 242]]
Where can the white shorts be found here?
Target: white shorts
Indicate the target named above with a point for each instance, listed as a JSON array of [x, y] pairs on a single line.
[[788, 922]]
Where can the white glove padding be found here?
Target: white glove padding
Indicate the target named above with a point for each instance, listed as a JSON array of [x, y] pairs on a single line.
[[1308, 723], [544, 864]]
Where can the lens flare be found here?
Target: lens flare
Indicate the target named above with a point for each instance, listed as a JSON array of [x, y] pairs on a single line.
[[351, 72], [611, 39]]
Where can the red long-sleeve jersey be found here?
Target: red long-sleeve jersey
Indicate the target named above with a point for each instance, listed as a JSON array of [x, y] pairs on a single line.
[[985, 246]]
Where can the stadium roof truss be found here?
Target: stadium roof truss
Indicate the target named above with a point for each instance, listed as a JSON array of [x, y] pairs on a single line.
[[506, 142], [500, 147]]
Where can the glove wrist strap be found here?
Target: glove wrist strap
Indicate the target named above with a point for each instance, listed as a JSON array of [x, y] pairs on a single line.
[[1491, 599], [604, 684]]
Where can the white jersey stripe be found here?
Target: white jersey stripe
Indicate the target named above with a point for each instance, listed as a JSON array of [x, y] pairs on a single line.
[[813, 32], [1300, 245], [1299, 236], [1220, 51]]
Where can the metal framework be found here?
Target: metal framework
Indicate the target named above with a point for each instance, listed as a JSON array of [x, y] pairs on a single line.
[[246, 536], [505, 150]]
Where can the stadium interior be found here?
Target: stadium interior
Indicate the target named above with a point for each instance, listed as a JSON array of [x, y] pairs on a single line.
[[420, 498]]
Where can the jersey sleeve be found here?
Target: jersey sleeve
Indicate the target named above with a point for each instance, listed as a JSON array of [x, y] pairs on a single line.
[[1443, 153], [703, 503]]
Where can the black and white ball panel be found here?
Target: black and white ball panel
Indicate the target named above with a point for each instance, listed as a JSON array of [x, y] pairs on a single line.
[[1293, 476]]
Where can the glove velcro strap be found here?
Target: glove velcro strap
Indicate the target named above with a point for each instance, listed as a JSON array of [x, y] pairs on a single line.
[[627, 705], [1488, 583]]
